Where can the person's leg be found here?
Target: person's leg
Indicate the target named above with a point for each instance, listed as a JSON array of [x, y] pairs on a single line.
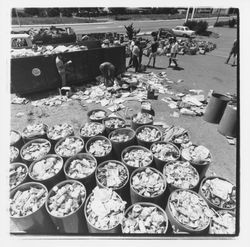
[[130, 62], [63, 77], [230, 54], [149, 59], [154, 60], [140, 58], [234, 57], [170, 61], [175, 62], [135, 63]]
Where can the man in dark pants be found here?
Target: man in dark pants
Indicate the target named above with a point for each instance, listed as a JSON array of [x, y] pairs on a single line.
[[108, 72], [234, 51], [153, 54]]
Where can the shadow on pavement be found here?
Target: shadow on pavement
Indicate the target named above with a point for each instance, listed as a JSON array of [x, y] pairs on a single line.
[[177, 68]]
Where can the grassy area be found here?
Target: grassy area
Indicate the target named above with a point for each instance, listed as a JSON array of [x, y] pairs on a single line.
[[68, 20], [160, 16], [52, 20]]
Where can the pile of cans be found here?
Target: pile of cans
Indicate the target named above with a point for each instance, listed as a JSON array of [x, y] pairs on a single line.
[[137, 179]]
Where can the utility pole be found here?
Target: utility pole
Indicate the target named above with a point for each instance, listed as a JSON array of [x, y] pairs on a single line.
[[18, 20], [218, 16], [192, 16], [187, 15]]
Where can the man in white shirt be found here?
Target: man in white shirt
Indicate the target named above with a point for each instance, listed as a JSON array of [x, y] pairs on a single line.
[[173, 52]]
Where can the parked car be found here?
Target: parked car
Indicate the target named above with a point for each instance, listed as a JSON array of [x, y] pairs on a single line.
[[183, 31], [166, 33]]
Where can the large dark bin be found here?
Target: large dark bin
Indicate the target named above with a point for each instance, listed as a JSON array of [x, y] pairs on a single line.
[[215, 108], [39, 73], [228, 122], [28, 75], [116, 56]]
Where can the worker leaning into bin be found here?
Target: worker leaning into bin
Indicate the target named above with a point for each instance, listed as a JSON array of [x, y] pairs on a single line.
[[108, 71], [61, 68]]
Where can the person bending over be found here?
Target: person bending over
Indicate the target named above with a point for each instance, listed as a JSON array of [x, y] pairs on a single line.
[[108, 72]]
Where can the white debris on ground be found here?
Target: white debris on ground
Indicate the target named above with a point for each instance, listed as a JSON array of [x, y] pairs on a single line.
[[19, 100], [131, 87], [192, 104]]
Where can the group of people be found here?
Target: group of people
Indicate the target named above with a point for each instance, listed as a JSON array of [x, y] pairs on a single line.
[[137, 46]]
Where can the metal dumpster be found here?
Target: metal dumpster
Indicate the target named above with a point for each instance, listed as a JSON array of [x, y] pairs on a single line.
[[39, 73]]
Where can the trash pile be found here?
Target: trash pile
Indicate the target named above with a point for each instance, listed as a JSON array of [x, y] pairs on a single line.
[[185, 46], [192, 47], [191, 104], [137, 88], [46, 50]]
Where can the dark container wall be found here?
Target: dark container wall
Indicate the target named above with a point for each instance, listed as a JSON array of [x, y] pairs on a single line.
[[39, 73]]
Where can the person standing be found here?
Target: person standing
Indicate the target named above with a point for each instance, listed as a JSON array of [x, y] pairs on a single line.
[[173, 52], [130, 47], [61, 68], [153, 54], [135, 55], [234, 51]]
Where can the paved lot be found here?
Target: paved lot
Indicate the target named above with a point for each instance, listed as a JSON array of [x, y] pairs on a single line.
[[199, 72]]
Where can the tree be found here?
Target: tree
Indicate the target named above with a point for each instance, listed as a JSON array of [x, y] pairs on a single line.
[[131, 31], [118, 11], [31, 11], [52, 12], [66, 11], [13, 12]]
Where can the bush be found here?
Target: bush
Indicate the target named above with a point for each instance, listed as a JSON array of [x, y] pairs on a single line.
[[221, 23], [200, 27], [232, 22], [131, 31]]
